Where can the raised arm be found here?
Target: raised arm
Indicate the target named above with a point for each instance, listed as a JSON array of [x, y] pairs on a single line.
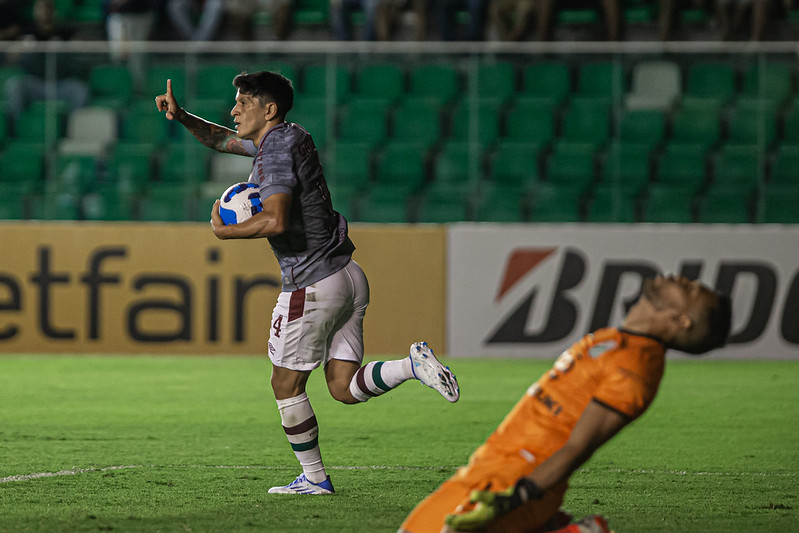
[[209, 134]]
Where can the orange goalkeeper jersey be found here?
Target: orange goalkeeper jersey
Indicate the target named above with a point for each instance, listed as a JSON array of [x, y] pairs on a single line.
[[618, 369]]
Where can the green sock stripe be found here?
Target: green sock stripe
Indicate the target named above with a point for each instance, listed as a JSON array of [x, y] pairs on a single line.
[[305, 446], [377, 378]]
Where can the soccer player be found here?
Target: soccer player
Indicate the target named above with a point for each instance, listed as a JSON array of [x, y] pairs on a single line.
[[318, 318], [515, 481]]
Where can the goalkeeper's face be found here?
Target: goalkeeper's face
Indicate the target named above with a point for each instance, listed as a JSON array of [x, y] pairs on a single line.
[[689, 308]]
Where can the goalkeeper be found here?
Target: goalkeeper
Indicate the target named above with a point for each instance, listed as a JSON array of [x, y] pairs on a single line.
[[516, 481]]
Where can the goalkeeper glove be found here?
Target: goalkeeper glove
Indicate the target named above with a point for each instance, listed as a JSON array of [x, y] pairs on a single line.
[[492, 505]]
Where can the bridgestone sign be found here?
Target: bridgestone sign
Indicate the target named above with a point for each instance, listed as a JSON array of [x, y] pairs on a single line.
[[529, 291]]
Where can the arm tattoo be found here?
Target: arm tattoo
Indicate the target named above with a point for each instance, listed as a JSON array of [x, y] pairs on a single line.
[[212, 135]]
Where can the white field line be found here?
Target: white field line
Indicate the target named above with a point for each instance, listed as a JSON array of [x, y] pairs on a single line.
[[75, 471]]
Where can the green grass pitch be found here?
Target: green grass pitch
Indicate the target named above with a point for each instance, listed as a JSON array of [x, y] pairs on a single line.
[[145, 443]]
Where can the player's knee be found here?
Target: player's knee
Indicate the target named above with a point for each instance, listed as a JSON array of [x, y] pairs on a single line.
[[342, 394]]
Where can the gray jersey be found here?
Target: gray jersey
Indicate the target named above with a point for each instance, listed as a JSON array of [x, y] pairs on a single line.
[[315, 244]]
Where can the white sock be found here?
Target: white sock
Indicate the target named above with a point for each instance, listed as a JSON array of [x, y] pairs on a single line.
[[379, 377], [302, 431]]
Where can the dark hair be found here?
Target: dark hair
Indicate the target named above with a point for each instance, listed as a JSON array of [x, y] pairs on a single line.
[[717, 323], [267, 87]]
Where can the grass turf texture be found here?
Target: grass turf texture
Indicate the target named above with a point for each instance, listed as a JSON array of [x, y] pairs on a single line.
[[192, 444]]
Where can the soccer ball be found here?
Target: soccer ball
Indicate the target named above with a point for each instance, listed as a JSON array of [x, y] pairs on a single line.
[[239, 202]]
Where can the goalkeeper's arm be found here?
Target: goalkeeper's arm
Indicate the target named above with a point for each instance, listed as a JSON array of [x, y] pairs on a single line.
[[596, 426]]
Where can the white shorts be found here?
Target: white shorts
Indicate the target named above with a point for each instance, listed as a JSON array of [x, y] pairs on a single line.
[[323, 321]]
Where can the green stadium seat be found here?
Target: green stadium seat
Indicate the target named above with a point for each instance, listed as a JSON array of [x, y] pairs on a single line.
[[553, 203], [500, 204], [530, 121], [550, 80], [310, 12], [785, 165], [458, 162], [627, 166], [575, 16], [130, 166], [43, 122], [312, 105], [64, 8], [380, 80], [385, 204], [704, 105], [476, 121], [315, 82], [417, 120], [87, 11], [316, 117], [90, 130], [646, 126], [155, 81], [7, 72], [779, 204], [601, 79], [344, 196], [403, 163], [495, 80], [442, 203], [571, 165], [770, 80], [74, 172], [790, 125], [739, 167], [144, 124], [107, 202], [638, 11], [349, 164], [57, 205], [110, 86], [215, 82], [682, 166], [185, 163], [4, 136], [656, 84], [586, 120], [14, 200], [724, 205], [440, 82], [711, 79], [609, 204], [365, 120], [168, 202], [22, 162], [668, 203], [753, 121], [208, 193], [696, 127], [515, 165]]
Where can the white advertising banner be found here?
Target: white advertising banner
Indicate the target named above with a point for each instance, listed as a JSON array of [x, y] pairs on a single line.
[[532, 290]]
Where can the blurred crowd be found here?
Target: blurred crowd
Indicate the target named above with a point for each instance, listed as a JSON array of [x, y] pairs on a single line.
[[125, 21], [447, 20]]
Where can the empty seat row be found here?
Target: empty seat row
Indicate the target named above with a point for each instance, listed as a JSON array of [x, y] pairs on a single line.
[[443, 81], [549, 203]]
